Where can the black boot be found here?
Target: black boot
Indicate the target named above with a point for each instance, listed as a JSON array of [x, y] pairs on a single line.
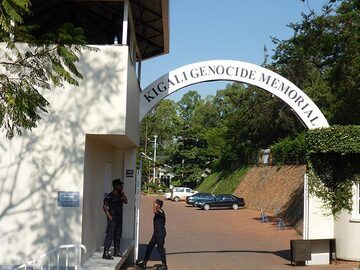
[[142, 264], [162, 267], [117, 252], [107, 255]]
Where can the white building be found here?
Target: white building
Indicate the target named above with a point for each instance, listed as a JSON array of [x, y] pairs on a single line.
[[89, 137]]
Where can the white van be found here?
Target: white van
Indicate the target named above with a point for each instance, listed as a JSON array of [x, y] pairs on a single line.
[[180, 193]]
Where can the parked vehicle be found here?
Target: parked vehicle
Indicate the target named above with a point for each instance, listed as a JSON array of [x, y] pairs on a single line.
[[198, 197], [224, 201], [167, 195], [180, 193]]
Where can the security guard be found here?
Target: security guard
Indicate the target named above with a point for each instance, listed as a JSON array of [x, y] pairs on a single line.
[[158, 237], [113, 208]]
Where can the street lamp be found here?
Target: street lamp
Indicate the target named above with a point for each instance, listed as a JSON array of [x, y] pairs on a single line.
[[155, 145]]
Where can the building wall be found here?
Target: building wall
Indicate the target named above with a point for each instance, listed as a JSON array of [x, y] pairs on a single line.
[[321, 225], [133, 103], [129, 189], [51, 158], [347, 234], [98, 158], [33, 169], [345, 228]]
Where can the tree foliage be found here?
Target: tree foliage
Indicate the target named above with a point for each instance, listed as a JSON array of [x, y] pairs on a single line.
[[323, 59], [218, 132], [227, 130], [30, 65]]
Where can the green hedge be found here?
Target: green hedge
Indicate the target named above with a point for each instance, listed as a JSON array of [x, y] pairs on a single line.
[[333, 165], [289, 150], [337, 139]]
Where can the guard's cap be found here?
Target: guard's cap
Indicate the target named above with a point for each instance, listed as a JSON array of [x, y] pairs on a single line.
[[117, 182], [159, 202]]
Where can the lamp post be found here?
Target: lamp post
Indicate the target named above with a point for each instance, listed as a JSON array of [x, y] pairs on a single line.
[[154, 172], [155, 145]]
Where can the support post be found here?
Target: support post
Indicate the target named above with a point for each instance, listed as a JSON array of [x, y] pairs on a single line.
[[125, 23], [137, 208], [306, 208]]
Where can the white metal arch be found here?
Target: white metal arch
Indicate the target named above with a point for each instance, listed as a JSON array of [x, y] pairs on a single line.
[[230, 70]]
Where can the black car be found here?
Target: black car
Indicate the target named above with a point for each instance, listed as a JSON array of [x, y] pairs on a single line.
[[223, 200], [198, 197]]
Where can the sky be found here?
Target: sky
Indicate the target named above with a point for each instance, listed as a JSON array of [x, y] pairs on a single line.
[[224, 30]]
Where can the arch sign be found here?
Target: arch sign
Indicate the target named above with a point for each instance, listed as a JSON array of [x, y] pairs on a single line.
[[230, 70]]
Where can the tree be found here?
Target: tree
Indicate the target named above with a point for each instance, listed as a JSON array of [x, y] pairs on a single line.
[[31, 64], [187, 105], [187, 158], [251, 119], [323, 59], [164, 122]]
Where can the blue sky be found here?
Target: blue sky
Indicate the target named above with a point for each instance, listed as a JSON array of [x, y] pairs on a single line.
[[229, 29]]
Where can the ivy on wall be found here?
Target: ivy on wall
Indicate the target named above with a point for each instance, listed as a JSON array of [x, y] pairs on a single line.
[[333, 165]]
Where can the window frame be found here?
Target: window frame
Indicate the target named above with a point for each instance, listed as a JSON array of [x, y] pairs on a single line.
[[356, 202]]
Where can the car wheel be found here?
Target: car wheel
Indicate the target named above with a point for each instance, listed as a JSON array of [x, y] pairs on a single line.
[[206, 206], [176, 199], [235, 206]]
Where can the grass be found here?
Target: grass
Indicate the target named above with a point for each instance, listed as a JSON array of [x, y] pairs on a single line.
[[223, 182]]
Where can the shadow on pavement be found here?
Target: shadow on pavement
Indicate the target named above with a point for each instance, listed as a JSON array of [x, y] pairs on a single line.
[[155, 256], [285, 254]]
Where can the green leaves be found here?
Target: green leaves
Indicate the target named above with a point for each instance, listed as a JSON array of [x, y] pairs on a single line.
[[334, 158], [30, 64], [289, 150], [323, 59], [335, 139], [15, 9]]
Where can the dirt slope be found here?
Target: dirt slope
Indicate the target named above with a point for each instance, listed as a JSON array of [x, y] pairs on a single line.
[[271, 187]]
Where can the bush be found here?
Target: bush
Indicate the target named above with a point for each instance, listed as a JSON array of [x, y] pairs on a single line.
[[154, 187], [333, 165], [289, 151], [336, 139]]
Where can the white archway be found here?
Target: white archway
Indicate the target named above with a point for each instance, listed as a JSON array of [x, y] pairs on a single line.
[[230, 70]]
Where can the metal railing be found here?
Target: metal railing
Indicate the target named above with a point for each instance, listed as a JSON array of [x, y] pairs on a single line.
[[60, 255]]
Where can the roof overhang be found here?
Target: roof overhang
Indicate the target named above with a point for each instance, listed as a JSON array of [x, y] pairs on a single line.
[[102, 20], [151, 22]]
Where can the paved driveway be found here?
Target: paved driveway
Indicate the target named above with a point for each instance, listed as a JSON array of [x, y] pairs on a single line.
[[219, 239]]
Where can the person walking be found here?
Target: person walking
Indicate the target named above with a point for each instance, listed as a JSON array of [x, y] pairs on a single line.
[[158, 237], [113, 208]]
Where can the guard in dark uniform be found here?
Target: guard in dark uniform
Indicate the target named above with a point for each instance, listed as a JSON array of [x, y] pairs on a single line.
[[113, 208], [158, 237]]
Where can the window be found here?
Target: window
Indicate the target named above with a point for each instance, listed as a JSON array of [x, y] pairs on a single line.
[[188, 190], [356, 200]]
